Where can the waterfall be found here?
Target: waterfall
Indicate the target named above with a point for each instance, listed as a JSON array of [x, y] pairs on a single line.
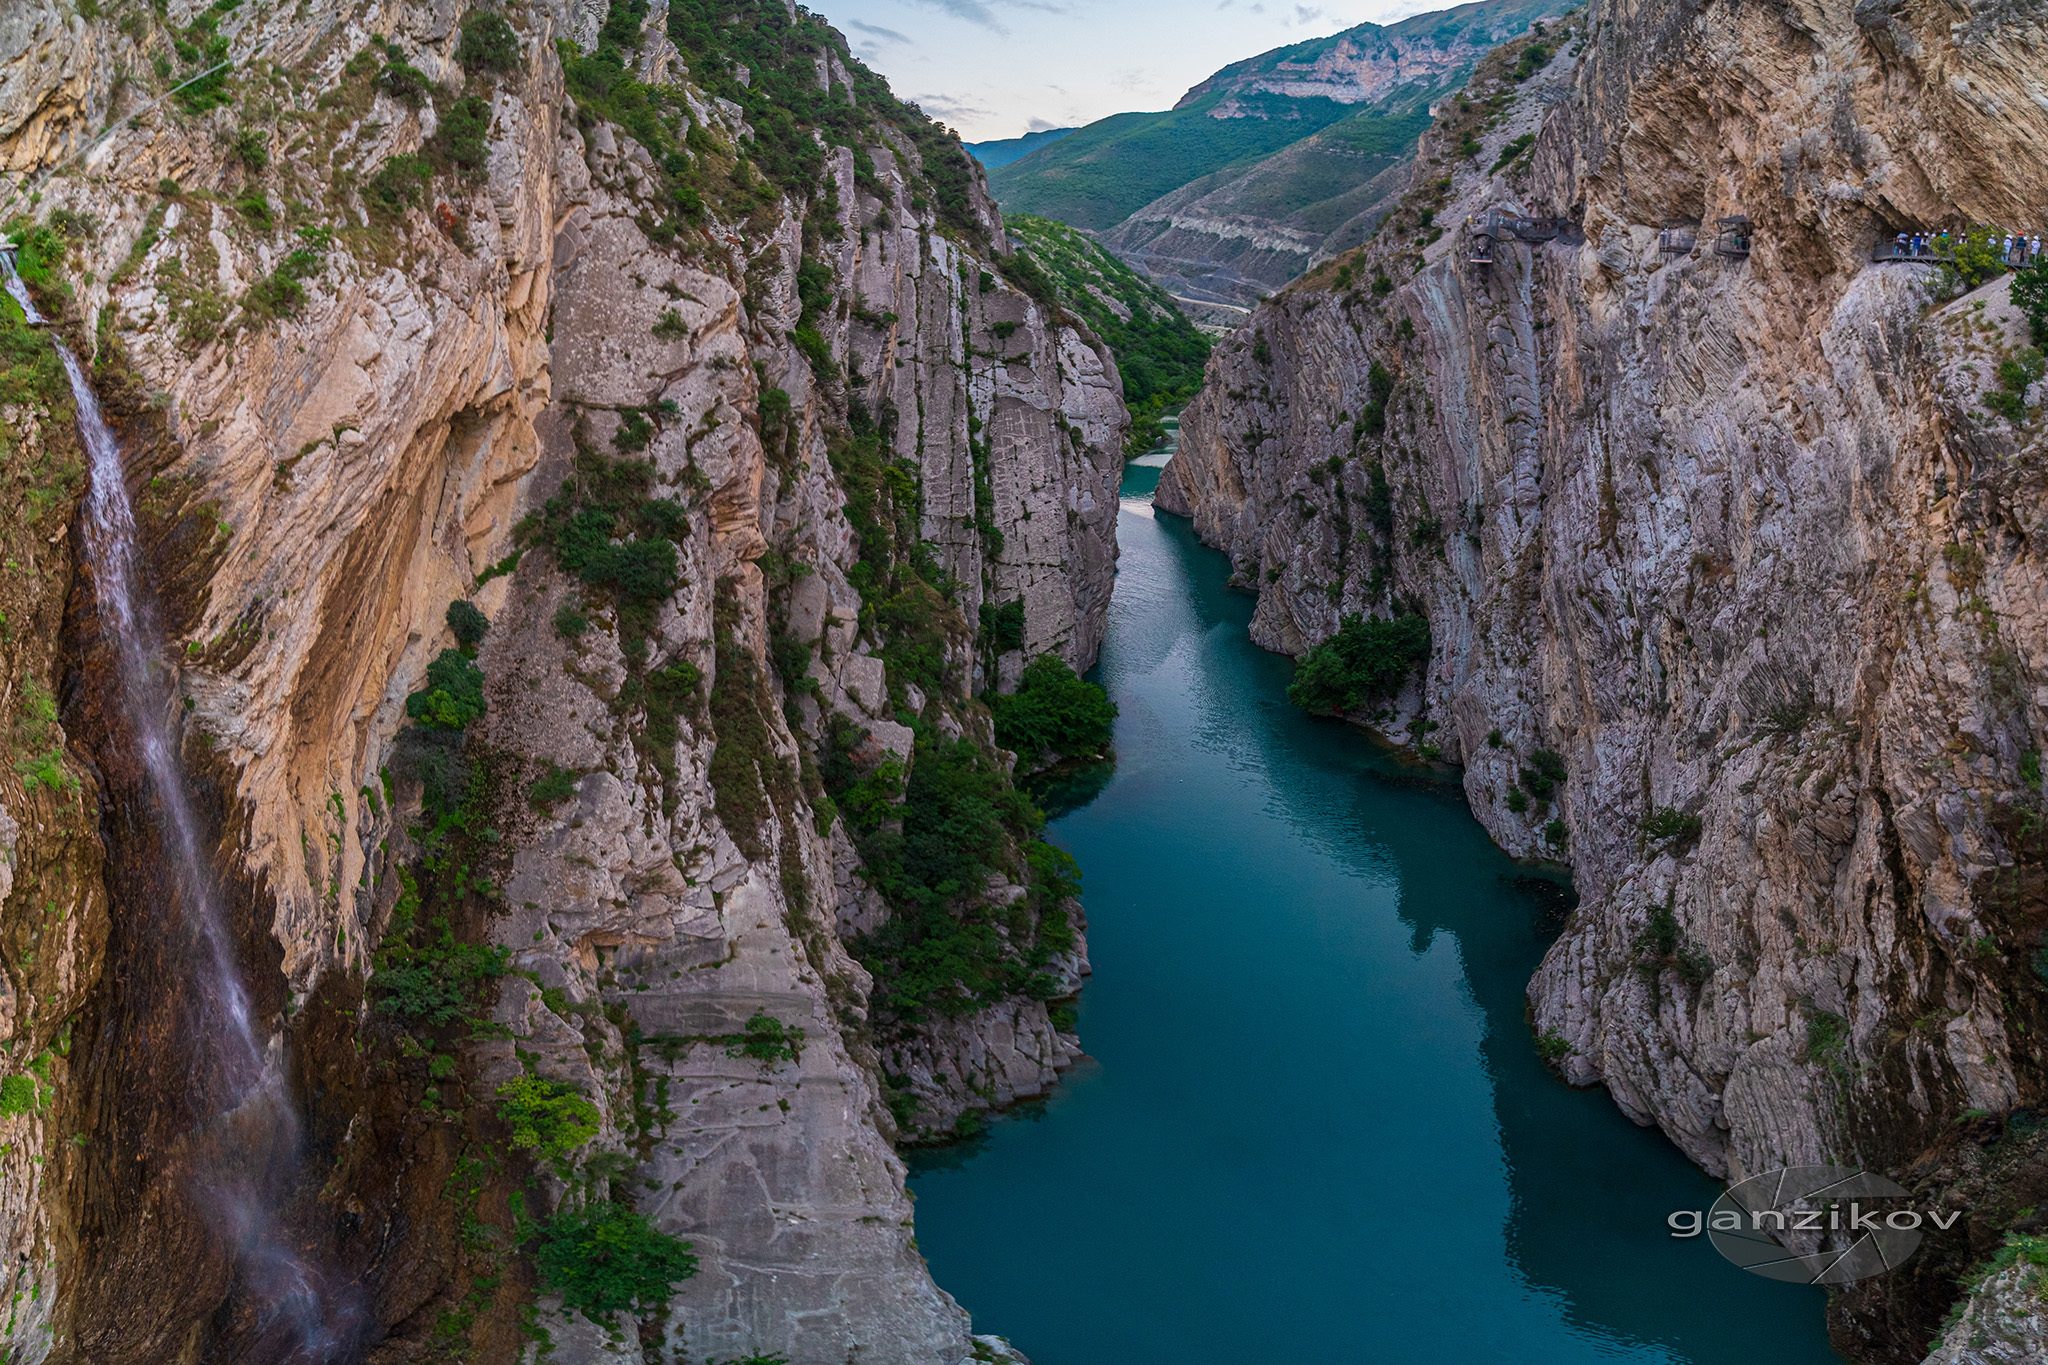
[[238, 1072]]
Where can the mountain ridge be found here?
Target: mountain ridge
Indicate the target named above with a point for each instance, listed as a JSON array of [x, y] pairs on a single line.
[[1296, 151]]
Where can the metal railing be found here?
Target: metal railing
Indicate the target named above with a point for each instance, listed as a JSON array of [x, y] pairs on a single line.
[[1732, 237]]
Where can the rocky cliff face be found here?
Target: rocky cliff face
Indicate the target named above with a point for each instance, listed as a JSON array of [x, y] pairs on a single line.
[[394, 340], [1732, 580]]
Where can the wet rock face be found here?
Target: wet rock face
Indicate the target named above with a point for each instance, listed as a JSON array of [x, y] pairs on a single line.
[[329, 478], [1734, 538]]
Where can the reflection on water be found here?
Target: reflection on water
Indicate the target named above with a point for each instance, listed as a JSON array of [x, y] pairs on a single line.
[[1313, 1125]]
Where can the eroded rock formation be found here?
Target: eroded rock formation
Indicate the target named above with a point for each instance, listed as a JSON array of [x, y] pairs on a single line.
[[356, 359], [1734, 537]]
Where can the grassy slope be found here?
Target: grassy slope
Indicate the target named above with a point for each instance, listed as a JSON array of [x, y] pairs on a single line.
[[1158, 351], [1101, 174]]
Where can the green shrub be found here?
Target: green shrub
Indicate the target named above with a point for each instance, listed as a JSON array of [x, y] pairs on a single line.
[[1978, 259], [399, 183], [605, 1259], [1663, 944], [252, 147], [2015, 375], [941, 951], [488, 44], [405, 83], [255, 206], [18, 1095], [276, 295], [767, 1040], [438, 984], [1667, 824], [1827, 1036], [546, 1116], [552, 787], [467, 623], [1555, 834], [1053, 711], [1544, 772], [569, 622], [463, 139], [1002, 627], [1365, 662], [453, 696], [1553, 1046], [2030, 296], [1518, 800], [46, 771], [1513, 150]]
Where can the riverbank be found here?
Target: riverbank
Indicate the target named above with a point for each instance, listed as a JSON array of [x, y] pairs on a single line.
[[1312, 1118]]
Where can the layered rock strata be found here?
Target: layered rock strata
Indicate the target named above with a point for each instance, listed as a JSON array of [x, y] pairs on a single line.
[[1731, 575], [362, 454]]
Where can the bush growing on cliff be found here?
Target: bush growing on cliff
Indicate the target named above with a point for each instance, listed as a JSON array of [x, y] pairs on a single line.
[[607, 500], [2030, 296], [1053, 711], [1667, 825], [1002, 627], [467, 624], [604, 1258], [1365, 662], [453, 696], [1544, 771], [405, 83], [768, 1040], [489, 44], [546, 1116], [435, 983], [18, 1095], [2016, 375]]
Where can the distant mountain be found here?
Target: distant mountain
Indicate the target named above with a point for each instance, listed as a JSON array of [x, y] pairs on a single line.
[[1006, 150], [1271, 163]]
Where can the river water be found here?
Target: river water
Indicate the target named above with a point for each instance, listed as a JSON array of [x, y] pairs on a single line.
[[1313, 1125]]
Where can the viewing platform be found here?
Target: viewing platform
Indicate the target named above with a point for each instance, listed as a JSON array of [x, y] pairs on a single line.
[[1731, 237], [1679, 239]]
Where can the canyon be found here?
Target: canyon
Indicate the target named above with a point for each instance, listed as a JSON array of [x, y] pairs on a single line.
[[1729, 568], [549, 518], [593, 467], [1270, 165]]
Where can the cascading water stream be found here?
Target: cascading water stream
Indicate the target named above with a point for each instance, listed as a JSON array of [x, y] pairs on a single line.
[[238, 1074]]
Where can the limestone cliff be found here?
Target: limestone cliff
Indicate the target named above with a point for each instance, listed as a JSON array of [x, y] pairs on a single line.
[[395, 311], [1732, 580]]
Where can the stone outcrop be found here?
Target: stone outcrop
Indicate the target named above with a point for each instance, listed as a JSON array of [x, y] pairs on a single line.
[[1733, 537], [325, 475]]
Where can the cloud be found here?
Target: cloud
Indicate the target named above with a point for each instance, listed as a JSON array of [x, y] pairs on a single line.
[[1132, 79], [951, 107], [1041, 125], [1306, 14], [973, 11], [888, 35]]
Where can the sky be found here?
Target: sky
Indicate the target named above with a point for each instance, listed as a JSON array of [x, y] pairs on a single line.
[[1002, 68]]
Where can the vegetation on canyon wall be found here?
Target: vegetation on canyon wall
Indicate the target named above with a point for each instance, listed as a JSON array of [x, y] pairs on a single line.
[[1159, 353]]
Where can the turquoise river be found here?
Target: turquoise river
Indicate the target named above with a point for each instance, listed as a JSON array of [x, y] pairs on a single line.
[[1312, 1125]]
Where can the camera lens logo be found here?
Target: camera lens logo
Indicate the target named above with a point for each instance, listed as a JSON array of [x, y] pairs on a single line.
[[1813, 1224]]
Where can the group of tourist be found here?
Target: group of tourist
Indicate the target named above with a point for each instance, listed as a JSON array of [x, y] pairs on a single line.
[[2014, 250]]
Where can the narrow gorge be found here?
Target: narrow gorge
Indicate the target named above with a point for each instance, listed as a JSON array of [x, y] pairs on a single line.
[[1716, 545], [554, 549]]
